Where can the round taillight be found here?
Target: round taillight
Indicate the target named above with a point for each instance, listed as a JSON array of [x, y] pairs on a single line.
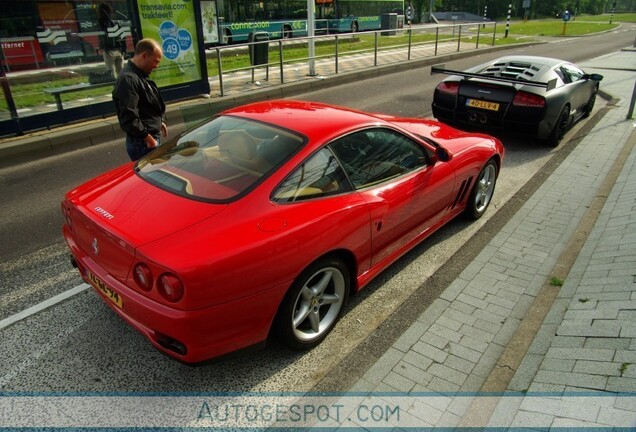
[[143, 276], [170, 287]]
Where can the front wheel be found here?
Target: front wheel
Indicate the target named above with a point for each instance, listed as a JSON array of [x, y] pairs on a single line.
[[313, 304], [482, 192], [590, 105]]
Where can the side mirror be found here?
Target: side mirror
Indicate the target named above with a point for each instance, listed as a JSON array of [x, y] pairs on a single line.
[[595, 77], [442, 154]]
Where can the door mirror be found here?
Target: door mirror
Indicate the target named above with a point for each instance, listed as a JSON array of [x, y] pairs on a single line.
[[595, 77], [442, 154]]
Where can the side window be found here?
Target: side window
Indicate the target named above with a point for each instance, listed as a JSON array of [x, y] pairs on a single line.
[[573, 72], [372, 156], [320, 176]]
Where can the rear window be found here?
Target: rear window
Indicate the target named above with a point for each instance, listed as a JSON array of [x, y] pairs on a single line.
[[220, 160]]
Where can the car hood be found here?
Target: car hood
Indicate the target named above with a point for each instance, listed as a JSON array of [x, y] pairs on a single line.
[[134, 210]]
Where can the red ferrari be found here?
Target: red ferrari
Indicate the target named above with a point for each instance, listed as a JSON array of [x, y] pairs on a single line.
[[265, 219]]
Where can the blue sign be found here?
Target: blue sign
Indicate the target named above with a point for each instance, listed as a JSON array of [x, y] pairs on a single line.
[[185, 39], [566, 16], [171, 48]]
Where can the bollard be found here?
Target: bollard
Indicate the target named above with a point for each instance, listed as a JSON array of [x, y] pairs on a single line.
[[630, 111], [508, 19]]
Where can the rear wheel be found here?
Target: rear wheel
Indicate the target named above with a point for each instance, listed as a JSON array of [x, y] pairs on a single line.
[[313, 304], [560, 127], [482, 192], [354, 27]]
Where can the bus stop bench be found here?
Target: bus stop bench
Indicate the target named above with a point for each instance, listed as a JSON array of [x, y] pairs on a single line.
[[57, 91]]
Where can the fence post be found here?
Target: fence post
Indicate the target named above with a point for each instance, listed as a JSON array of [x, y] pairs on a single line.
[[478, 31], [459, 37], [494, 33], [280, 57], [436, 38], [410, 30], [218, 62], [336, 53], [375, 51]]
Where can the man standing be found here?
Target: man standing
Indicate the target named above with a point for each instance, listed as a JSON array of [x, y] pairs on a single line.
[[140, 107]]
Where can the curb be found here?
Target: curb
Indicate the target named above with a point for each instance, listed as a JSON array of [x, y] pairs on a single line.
[[185, 114]]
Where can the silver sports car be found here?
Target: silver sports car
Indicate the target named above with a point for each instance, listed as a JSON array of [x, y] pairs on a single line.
[[535, 96]]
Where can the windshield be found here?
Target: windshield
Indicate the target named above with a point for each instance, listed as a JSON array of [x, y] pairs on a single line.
[[219, 160]]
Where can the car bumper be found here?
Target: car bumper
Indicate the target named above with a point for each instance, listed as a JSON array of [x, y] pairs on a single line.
[[190, 336], [485, 121]]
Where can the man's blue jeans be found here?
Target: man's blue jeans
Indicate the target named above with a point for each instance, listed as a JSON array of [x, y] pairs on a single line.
[[136, 147]]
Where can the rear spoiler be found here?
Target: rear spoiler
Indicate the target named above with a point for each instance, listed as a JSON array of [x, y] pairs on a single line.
[[439, 69]]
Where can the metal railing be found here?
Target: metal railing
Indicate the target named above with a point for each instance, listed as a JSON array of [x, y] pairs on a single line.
[[289, 59]]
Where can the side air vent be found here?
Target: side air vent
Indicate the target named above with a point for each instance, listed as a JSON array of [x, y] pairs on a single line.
[[463, 189]]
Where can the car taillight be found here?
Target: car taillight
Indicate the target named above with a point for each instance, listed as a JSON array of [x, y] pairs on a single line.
[[529, 100], [170, 287], [143, 276], [448, 87]]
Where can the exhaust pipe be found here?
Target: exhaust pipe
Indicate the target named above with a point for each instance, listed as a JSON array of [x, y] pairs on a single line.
[[472, 116], [483, 119]]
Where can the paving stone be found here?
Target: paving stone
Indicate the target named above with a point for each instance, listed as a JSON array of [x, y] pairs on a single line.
[[440, 385], [417, 360], [524, 375], [572, 379], [431, 313], [447, 373], [410, 336], [462, 307], [506, 331], [459, 316], [430, 351], [413, 373], [464, 352], [607, 343], [449, 323], [459, 364], [383, 366], [621, 384], [454, 289], [398, 382], [445, 333], [488, 316], [473, 344], [597, 368], [435, 340], [617, 417], [554, 364], [581, 354]]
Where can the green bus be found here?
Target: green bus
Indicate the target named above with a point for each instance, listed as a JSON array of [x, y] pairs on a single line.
[[236, 19]]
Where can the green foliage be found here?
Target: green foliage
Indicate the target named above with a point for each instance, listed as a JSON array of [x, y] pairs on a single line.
[[555, 281]]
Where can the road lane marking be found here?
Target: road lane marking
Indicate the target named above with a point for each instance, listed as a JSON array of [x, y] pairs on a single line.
[[44, 305]]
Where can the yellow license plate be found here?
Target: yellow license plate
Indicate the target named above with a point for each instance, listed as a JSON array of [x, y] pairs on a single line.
[[492, 106], [111, 294]]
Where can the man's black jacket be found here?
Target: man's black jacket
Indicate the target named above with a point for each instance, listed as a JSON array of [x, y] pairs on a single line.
[[140, 107]]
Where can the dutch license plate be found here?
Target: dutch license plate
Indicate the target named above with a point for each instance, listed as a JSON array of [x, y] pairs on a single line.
[[111, 294], [475, 103]]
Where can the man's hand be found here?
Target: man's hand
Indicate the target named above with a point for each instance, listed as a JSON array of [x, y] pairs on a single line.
[[151, 142], [164, 130]]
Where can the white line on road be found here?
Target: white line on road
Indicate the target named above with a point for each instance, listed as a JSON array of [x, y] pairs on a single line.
[[41, 306]]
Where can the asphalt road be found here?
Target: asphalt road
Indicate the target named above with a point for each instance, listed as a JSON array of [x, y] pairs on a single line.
[[80, 345]]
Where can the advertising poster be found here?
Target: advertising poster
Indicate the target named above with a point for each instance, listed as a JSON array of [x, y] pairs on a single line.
[[172, 24], [209, 21]]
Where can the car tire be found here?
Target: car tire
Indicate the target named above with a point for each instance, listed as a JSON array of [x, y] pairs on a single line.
[[313, 304], [590, 105], [483, 190], [560, 128]]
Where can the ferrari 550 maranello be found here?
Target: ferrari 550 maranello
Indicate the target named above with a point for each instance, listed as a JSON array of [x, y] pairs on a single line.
[[535, 96], [264, 220]]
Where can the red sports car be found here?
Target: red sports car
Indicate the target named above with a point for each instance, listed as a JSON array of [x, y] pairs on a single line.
[[265, 219]]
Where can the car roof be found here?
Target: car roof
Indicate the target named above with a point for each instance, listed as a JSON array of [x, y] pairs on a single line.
[[308, 118]]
